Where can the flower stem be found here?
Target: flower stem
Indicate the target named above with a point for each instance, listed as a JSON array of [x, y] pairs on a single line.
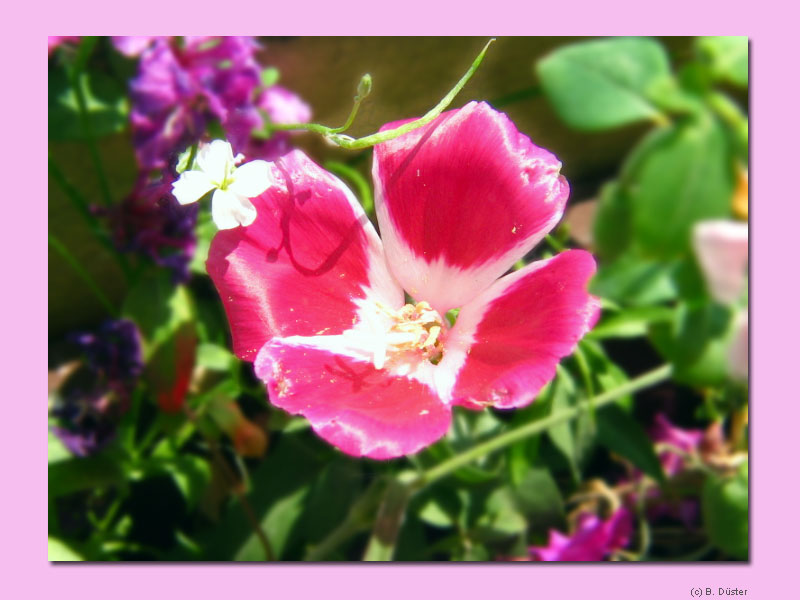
[[82, 206], [73, 262], [349, 143], [501, 441], [84, 50]]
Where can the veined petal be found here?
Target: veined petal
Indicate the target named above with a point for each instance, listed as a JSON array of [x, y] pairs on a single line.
[[305, 266], [251, 179], [191, 186], [460, 200], [229, 210], [359, 409], [215, 159], [506, 343]]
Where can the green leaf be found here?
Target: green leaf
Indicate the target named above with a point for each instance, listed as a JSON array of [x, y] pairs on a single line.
[[621, 434], [562, 435], [158, 307], [58, 551], [501, 517], [216, 358], [56, 450], [270, 76], [725, 512], [277, 525], [630, 322], [605, 83], [696, 341], [635, 281], [539, 499], [612, 222], [728, 57], [191, 475], [106, 105], [205, 231], [686, 177]]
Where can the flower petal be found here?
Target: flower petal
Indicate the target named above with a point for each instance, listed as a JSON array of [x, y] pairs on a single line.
[[214, 159], [251, 179], [359, 409], [305, 264], [191, 186], [229, 210], [460, 200], [505, 344], [721, 248]]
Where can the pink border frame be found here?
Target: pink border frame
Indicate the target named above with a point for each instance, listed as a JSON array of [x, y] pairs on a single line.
[[774, 93]]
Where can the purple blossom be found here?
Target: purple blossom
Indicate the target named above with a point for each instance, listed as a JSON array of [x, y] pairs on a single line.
[[687, 441], [180, 89], [87, 410], [151, 223], [594, 539]]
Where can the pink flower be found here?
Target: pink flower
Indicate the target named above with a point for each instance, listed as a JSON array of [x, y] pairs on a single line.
[[721, 249], [316, 299], [686, 441], [54, 41], [592, 540]]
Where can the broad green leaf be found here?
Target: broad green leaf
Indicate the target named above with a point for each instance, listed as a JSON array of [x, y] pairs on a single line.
[[728, 56], [58, 551], [725, 512], [605, 83], [685, 178], [56, 450], [618, 432], [216, 358], [158, 307], [630, 322], [635, 281], [277, 524], [106, 105], [539, 499], [502, 517], [696, 341]]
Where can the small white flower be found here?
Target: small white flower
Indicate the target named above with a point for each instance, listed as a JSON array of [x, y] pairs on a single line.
[[215, 169]]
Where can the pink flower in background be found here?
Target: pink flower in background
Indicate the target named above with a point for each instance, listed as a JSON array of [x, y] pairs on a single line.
[[54, 41], [593, 539], [133, 45], [721, 249], [686, 441], [317, 300]]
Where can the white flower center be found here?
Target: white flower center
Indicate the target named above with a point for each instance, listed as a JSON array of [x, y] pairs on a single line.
[[415, 334]]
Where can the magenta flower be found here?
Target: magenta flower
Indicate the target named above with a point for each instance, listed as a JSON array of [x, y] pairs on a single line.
[[686, 441], [592, 540], [316, 299]]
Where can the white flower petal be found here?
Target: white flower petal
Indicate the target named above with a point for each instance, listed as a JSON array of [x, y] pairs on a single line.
[[214, 159], [229, 210], [191, 186], [252, 179]]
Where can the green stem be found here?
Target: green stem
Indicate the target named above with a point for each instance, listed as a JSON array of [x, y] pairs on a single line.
[[501, 441], [82, 206], [73, 262], [349, 143], [84, 50]]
